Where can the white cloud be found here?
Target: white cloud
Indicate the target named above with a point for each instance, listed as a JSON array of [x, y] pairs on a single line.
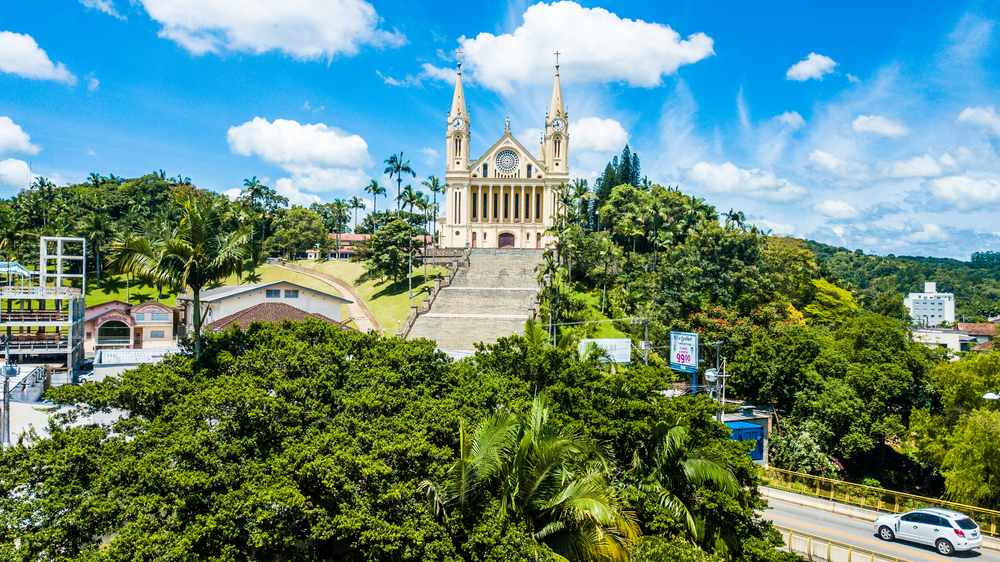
[[432, 155], [813, 66], [233, 193], [303, 29], [14, 173], [925, 166], [779, 228], [93, 84], [21, 55], [985, 117], [966, 194], [14, 139], [876, 124], [106, 6], [928, 233], [837, 209], [428, 72], [852, 78], [320, 158], [598, 46], [598, 135], [844, 169], [755, 184], [791, 119]]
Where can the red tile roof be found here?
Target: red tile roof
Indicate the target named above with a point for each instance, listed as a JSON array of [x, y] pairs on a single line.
[[978, 329], [269, 312]]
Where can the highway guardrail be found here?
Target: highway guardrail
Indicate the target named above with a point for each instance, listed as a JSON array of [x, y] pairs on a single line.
[[818, 548], [877, 499]]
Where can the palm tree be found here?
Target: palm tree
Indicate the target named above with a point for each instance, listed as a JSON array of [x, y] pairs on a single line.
[[395, 166], [356, 203], [409, 197], [254, 190], [436, 187], [374, 189], [200, 252], [668, 468], [97, 227], [423, 205], [340, 208], [550, 477]]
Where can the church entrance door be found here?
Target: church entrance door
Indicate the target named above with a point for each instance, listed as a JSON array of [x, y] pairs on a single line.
[[506, 240]]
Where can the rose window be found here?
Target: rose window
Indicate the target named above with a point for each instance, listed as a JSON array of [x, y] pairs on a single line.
[[507, 161]]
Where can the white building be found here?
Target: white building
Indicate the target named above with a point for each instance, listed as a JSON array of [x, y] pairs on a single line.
[[505, 198], [225, 301], [930, 307]]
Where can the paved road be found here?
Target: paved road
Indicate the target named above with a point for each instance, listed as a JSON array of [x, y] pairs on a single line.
[[860, 533]]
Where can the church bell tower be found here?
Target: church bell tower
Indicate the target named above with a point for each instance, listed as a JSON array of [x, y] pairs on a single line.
[[557, 131], [458, 127]]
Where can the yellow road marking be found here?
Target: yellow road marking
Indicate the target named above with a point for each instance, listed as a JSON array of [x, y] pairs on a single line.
[[856, 538]]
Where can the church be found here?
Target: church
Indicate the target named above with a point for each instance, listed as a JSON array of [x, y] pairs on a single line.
[[506, 197]]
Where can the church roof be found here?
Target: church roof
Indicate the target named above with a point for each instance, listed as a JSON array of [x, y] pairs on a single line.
[[520, 147]]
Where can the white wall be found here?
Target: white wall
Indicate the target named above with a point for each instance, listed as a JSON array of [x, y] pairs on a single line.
[[307, 300]]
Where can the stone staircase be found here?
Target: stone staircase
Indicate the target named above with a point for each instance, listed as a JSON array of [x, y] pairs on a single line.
[[487, 300]]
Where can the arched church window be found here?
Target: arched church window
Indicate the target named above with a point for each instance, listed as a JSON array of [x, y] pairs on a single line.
[[506, 205], [486, 171], [458, 145], [529, 171], [558, 146], [517, 205], [474, 205]]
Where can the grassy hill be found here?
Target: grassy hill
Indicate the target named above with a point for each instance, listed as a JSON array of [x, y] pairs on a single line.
[[390, 306]]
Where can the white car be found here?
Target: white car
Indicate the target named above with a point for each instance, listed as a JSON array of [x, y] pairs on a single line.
[[947, 531]]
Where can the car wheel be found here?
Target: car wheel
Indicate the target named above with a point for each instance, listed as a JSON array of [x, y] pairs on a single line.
[[885, 533], [944, 547]]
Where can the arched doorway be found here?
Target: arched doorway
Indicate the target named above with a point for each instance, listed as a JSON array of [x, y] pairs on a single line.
[[538, 241], [473, 239], [114, 334], [506, 240]]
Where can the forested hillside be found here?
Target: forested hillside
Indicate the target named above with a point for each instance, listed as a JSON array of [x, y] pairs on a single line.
[[975, 283]]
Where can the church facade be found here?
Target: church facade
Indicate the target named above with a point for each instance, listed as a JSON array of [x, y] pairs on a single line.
[[505, 197]]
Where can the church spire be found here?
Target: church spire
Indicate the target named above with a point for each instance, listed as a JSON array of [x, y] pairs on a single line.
[[556, 108], [458, 102]]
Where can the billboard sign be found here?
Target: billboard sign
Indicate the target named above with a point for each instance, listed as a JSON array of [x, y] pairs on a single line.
[[684, 352], [620, 350]]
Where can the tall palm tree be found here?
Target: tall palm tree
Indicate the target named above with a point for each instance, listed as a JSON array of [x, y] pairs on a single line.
[[200, 252], [435, 185], [374, 189], [409, 197], [423, 205], [395, 166], [97, 229], [552, 478], [356, 203], [669, 468], [253, 190], [340, 209]]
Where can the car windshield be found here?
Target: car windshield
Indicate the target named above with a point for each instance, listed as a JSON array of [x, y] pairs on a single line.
[[966, 523]]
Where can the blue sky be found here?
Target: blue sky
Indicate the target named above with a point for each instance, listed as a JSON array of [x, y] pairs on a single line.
[[861, 125]]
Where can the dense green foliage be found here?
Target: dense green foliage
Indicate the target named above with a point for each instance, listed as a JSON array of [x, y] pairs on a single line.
[[976, 283], [301, 441], [388, 254]]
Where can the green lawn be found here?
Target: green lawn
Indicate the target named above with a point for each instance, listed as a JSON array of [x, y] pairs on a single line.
[[604, 329], [114, 287], [389, 306]]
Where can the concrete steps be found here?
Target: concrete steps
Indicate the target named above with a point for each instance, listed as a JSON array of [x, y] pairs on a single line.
[[489, 299]]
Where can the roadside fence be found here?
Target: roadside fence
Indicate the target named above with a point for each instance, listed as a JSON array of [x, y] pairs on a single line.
[[818, 548], [878, 499]]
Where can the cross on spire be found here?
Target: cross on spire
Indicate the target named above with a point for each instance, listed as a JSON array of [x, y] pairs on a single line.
[[458, 52], [557, 60]]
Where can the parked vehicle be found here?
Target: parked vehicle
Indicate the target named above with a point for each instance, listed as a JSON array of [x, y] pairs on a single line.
[[87, 377], [947, 531]]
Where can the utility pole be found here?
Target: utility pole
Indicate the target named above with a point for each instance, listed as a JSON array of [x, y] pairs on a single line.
[[645, 358]]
